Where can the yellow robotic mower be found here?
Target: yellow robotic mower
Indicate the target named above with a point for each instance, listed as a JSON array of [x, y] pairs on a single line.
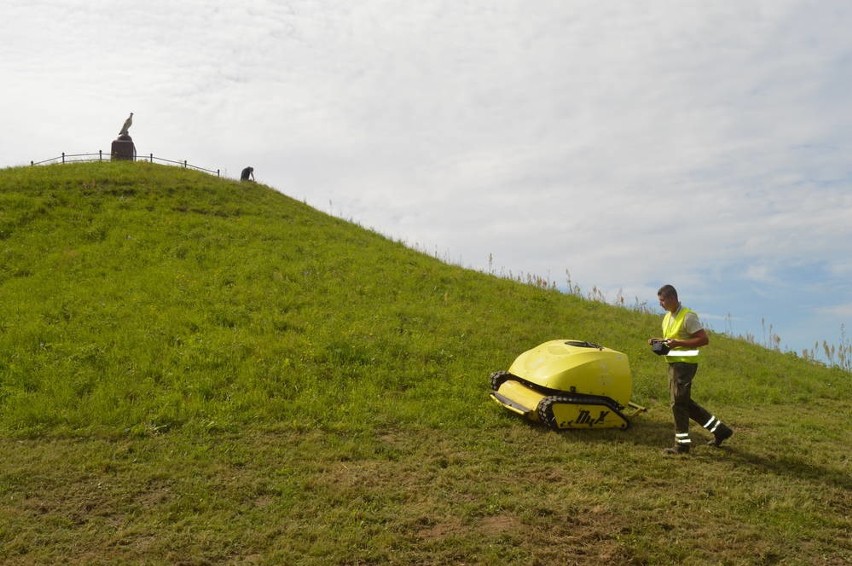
[[567, 384]]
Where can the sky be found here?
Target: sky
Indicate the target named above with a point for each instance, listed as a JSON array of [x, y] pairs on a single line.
[[620, 145]]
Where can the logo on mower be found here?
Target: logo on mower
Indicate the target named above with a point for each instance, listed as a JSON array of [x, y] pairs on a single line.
[[585, 418]]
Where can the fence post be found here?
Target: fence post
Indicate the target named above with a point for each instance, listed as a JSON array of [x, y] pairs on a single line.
[[63, 157], [152, 158], [217, 172], [184, 163], [100, 155]]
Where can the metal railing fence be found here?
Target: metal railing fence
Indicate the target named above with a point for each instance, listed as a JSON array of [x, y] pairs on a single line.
[[101, 156]]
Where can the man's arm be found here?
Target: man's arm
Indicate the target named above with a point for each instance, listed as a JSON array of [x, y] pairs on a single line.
[[695, 340]]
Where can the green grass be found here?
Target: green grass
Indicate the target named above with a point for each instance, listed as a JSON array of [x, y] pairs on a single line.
[[199, 371]]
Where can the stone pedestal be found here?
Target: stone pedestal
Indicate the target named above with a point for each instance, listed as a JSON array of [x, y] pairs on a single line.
[[123, 148]]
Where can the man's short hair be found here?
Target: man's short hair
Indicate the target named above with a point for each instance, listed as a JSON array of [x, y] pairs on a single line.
[[667, 291]]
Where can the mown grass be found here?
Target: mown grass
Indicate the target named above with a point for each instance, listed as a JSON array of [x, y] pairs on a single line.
[[198, 371]]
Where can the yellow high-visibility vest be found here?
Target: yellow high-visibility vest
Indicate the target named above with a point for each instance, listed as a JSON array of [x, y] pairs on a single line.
[[673, 328]]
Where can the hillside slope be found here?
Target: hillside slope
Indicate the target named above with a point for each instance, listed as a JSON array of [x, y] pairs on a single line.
[[162, 297], [157, 315]]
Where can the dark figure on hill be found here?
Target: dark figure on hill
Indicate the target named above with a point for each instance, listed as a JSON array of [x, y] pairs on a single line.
[[247, 174], [683, 334]]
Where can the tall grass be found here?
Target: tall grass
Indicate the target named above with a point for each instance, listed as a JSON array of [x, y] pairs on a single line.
[[195, 370], [834, 354]]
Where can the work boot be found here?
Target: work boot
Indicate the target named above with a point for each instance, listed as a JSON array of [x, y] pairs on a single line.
[[677, 449], [721, 434]]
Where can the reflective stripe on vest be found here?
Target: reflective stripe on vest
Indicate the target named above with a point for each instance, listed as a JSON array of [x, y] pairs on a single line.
[[672, 329]]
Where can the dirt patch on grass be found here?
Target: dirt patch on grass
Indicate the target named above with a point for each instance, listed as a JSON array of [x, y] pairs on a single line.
[[499, 524], [492, 526]]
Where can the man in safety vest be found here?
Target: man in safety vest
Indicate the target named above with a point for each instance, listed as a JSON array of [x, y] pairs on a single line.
[[683, 335]]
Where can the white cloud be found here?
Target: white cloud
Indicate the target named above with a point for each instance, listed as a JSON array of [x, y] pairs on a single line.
[[601, 138], [843, 311]]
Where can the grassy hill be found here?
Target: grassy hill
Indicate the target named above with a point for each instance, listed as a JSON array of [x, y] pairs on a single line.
[[198, 371]]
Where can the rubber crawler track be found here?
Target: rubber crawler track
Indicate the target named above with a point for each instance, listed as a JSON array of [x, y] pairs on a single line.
[[545, 408]]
